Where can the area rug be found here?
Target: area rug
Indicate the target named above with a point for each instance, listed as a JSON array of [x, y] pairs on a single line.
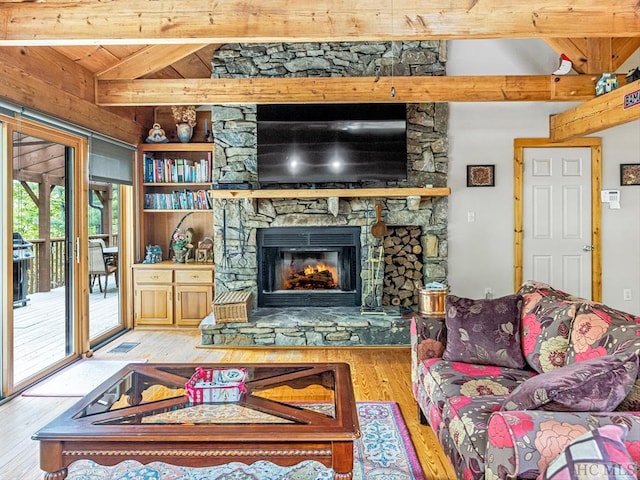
[[79, 378], [383, 452]]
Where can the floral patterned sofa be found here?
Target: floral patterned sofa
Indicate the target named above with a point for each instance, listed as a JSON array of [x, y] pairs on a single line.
[[525, 385]]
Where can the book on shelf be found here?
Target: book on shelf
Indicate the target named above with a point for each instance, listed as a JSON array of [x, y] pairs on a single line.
[[177, 170], [178, 200], [204, 201]]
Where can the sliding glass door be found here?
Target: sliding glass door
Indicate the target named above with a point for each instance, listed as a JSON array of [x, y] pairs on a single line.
[[109, 232], [104, 264], [41, 328]]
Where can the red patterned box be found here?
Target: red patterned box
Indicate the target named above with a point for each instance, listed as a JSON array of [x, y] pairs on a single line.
[[216, 385]]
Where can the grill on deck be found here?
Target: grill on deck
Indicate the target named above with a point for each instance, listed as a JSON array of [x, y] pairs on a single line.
[[22, 255]]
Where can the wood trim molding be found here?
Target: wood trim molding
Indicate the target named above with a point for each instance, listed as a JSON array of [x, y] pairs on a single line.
[[596, 214]]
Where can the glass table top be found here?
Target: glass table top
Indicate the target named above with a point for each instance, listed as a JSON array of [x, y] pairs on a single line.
[[156, 395]]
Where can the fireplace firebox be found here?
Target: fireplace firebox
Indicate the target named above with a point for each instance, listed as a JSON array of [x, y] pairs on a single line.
[[309, 266]]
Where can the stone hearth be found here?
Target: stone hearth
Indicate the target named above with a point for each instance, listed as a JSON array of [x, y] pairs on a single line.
[[315, 326]]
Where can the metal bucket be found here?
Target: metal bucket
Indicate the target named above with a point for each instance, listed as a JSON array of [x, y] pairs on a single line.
[[431, 302]]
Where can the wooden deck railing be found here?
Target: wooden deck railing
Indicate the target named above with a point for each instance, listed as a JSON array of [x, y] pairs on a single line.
[[57, 260]]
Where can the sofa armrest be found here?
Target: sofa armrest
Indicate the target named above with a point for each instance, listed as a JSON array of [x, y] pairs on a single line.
[[428, 340], [521, 444]]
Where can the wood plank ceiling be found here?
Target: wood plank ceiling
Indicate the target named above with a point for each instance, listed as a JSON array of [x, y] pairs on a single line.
[[159, 53], [142, 61]]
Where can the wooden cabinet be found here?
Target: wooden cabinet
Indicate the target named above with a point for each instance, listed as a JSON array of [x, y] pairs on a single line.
[[193, 293], [172, 294], [174, 182]]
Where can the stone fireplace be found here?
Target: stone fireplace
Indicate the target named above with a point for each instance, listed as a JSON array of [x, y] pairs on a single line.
[[308, 266], [240, 224]]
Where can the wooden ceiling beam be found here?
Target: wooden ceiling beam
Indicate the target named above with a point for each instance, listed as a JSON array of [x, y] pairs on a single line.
[[82, 22], [597, 114], [623, 48], [92, 57], [153, 92], [599, 55], [44, 80], [198, 65], [595, 55], [38, 95], [148, 60]]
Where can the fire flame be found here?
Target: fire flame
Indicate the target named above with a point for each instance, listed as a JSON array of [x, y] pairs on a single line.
[[304, 278], [321, 267]]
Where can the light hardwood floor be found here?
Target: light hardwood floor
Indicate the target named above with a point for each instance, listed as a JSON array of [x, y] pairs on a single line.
[[378, 374], [39, 333]]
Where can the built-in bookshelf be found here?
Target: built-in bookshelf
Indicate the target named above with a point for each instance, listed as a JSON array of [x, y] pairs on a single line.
[[174, 181]]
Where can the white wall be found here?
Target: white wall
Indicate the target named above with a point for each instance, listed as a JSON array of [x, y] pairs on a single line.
[[481, 252]]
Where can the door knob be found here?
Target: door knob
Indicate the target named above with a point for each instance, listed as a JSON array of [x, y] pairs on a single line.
[[587, 248]]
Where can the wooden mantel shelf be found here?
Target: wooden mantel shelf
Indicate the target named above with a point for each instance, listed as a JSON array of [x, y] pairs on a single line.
[[332, 192]]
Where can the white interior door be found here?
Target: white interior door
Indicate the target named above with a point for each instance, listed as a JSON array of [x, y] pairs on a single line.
[[557, 218]]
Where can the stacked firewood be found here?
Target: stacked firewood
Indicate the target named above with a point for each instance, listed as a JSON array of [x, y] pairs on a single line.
[[403, 266]]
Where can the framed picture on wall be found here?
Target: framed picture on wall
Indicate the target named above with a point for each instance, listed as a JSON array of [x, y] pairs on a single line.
[[481, 176], [630, 174]]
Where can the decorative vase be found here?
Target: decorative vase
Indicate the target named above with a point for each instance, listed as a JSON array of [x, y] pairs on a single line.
[[179, 256], [184, 131]]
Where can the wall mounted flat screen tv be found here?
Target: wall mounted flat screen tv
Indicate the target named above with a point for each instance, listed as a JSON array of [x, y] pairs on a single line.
[[332, 143]]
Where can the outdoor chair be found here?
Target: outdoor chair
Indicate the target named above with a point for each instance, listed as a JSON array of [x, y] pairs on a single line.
[[98, 266]]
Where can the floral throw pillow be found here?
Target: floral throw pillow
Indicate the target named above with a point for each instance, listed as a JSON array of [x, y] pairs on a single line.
[[599, 330], [533, 292], [598, 454], [595, 385], [485, 331], [545, 333], [533, 286]]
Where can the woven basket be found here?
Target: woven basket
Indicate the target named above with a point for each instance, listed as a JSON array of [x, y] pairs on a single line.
[[232, 307]]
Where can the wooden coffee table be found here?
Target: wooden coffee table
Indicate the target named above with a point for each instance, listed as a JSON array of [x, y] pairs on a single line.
[[290, 413]]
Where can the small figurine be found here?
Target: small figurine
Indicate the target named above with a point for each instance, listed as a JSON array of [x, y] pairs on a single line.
[[204, 252], [606, 83], [157, 135], [564, 66], [154, 254], [189, 235], [633, 75]]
